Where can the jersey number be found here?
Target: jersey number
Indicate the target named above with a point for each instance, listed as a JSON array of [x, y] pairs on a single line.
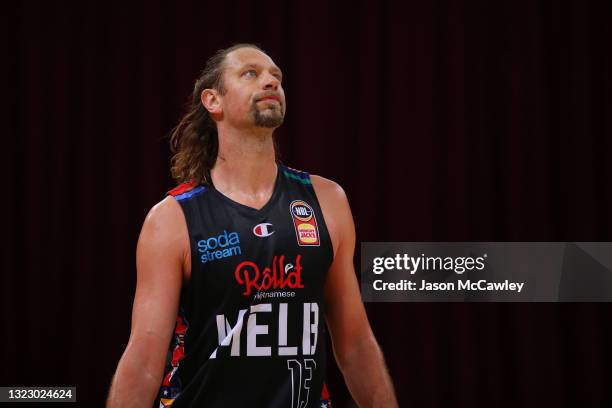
[[300, 381]]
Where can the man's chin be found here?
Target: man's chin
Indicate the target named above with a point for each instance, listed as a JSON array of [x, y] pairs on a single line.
[[268, 121]]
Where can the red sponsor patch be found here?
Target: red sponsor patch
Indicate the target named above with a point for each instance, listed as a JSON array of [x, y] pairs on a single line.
[[280, 276], [305, 223]]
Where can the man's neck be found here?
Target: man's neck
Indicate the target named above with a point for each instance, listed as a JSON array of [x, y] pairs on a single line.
[[245, 169]]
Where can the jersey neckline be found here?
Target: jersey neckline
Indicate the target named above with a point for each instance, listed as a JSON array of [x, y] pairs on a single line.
[[252, 210]]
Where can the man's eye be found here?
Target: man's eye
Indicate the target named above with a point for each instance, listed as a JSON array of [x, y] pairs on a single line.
[[251, 73]]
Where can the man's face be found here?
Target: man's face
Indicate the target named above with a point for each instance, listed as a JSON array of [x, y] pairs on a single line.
[[253, 91]]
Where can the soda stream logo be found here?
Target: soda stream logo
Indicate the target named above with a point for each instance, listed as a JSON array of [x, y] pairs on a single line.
[[222, 246], [280, 276]]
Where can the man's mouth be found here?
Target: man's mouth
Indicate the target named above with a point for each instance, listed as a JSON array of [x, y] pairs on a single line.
[[269, 98]]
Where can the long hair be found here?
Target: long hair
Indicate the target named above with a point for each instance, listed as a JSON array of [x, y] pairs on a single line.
[[194, 141]]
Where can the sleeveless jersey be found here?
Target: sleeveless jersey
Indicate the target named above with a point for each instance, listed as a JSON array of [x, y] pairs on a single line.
[[250, 331]]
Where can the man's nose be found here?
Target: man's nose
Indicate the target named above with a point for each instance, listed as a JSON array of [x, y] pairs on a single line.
[[271, 82]]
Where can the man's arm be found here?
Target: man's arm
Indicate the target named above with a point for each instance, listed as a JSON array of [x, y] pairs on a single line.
[[163, 248], [357, 353]]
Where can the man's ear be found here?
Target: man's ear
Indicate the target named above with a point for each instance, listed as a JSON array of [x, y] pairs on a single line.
[[211, 100]]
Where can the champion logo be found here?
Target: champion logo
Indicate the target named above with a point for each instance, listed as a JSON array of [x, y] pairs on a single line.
[[263, 230]]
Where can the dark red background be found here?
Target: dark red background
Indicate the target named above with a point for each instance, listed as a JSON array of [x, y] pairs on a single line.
[[443, 121]]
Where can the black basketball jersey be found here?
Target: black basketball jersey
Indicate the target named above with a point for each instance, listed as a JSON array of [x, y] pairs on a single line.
[[251, 330]]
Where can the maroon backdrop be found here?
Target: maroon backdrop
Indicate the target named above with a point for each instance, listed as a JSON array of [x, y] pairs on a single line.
[[443, 121]]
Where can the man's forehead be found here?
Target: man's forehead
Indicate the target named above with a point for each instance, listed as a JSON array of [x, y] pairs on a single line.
[[247, 56]]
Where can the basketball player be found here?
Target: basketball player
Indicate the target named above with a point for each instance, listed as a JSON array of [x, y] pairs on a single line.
[[240, 266]]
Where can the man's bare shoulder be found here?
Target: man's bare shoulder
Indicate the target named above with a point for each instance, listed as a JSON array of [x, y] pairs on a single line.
[[165, 228], [336, 210], [166, 213], [328, 190]]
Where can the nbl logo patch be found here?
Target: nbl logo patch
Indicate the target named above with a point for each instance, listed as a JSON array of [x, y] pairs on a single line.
[[305, 223]]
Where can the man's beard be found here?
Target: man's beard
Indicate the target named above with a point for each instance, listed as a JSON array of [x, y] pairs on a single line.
[[268, 117]]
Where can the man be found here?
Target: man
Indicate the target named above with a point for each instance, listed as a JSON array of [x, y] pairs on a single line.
[[243, 260]]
